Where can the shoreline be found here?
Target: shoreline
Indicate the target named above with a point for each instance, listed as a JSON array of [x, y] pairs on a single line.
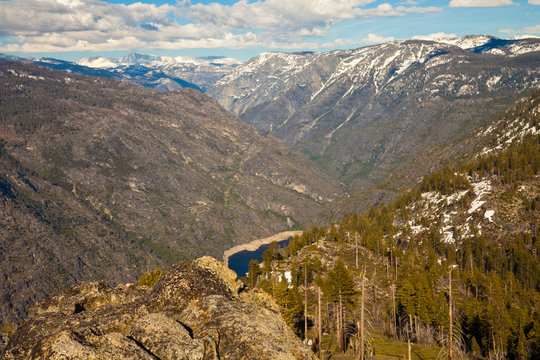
[[254, 245]]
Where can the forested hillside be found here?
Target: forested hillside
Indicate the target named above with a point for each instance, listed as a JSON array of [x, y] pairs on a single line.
[[458, 254], [496, 133]]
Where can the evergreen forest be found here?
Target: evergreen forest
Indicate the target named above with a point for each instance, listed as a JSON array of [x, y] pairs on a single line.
[[399, 281]]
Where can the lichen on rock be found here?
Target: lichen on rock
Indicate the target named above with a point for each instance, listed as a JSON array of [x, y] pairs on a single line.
[[197, 310]]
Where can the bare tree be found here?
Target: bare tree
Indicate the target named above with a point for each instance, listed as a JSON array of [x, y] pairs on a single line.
[[362, 310]]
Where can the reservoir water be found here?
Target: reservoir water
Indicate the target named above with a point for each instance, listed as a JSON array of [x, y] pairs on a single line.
[[239, 262]]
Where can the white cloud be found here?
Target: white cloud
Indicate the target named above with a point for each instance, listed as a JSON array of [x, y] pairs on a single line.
[[376, 39], [385, 10], [527, 30], [283, 16], [480, 3], [435, 36], [338, 43], [532, 29], [524, 36], [94, 25], [370, 39], [534, 2]]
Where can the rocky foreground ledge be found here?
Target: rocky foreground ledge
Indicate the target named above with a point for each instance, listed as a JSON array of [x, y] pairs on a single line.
[[197, 310]]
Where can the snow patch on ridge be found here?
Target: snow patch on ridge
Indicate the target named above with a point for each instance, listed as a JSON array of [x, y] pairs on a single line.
[[489, 215], [33, 77], [481, 189], [492, 81]]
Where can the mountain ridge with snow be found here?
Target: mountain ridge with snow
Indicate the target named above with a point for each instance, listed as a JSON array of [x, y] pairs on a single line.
[[160, 73], [360, 113]]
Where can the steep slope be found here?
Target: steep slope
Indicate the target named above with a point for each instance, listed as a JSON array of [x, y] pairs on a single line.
[[493, 135], [363, 113], [100, 176], [263, 80]]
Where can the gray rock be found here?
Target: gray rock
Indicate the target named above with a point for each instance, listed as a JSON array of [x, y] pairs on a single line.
[[196, 311], [166, 338], [269, 340]]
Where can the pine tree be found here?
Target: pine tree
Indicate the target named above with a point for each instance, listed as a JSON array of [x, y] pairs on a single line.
[[253, 272], [339, 288]]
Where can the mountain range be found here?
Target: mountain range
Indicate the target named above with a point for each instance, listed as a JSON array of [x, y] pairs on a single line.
[[361, 114], [188, 71], [161, 73]]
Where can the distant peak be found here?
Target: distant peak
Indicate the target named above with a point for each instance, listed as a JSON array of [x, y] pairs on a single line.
[[134, 58], [435, 37]]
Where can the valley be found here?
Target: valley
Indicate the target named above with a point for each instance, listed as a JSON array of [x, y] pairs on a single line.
[[406, 174]]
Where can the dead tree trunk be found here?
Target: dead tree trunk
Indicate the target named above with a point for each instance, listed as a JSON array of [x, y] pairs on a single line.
[[356, 247], [338, 329], [394, 326], [320, 324], [450, 314], [341, 325], [305, 303], [362, 309]]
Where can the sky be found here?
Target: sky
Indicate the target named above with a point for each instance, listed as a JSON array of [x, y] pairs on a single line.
[[73, 29]]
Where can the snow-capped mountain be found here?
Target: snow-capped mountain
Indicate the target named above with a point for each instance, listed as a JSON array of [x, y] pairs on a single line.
[[158, 72], [156, 61], [63, 65], [362, 113], [200, 71], [486, 44]]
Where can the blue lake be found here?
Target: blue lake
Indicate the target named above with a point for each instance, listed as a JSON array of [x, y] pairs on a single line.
[[239, 262]]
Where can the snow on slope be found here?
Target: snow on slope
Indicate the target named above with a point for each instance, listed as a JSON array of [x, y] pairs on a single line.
[[447, 211], [156, 61], [505, 132], [98, 62], [377, 59], [201, 71], [279, 63], [465, 42], [380, 65]]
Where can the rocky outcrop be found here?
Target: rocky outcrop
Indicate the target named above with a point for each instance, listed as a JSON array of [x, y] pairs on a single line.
[[197, 310]]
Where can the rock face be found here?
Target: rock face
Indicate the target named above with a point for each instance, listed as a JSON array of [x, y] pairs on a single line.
[[197, 310]]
